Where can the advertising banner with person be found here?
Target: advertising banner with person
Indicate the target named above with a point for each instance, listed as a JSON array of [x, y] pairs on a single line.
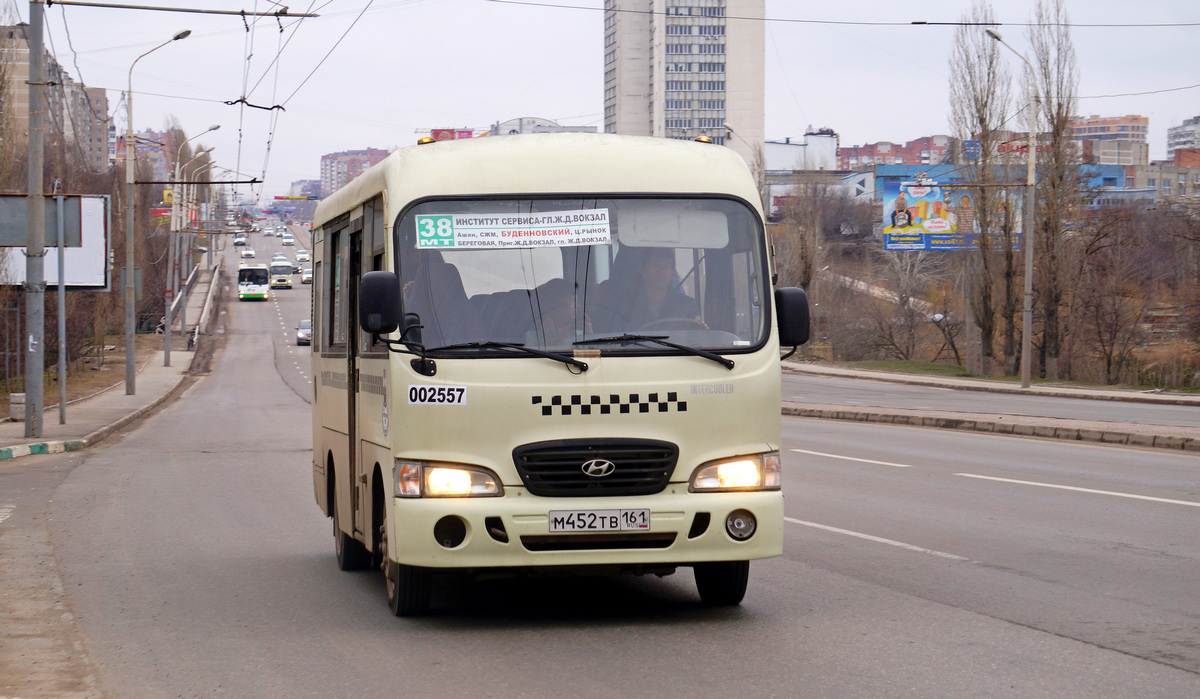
[[918, 216]]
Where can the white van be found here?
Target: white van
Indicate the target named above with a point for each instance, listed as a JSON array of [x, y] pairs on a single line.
[[281, 275], [549, 353]]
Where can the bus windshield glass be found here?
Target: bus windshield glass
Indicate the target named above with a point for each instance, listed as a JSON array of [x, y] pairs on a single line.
[[253, 275], [557, 273]]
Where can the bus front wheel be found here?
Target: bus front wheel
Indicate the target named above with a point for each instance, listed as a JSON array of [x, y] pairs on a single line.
[[722, 584], [351, 554], [408, 587]]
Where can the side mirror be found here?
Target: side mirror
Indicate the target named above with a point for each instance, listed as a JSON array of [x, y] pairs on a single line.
[[379, 302], [791, 312]]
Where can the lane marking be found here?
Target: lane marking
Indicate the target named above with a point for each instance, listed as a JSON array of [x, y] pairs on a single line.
[[1083, 490], [879, 540], [6, 511], [852, 458]]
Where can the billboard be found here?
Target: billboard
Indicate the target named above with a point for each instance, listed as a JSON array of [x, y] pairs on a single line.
[[926, 216], [450, 134], [14, 220], [85, 268]]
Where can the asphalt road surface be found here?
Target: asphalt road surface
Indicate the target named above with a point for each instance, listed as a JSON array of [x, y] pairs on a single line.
[[917, 563], [877, 394]]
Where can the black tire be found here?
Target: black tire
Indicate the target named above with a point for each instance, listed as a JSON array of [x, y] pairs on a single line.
[[351, 554], [722, 584], [409, 588]]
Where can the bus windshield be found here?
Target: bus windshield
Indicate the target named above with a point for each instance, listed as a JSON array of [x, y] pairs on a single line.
[[253, 275], [556, 273], [281, 269]]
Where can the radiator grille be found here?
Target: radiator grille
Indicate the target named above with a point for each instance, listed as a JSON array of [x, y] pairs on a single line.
[[556, 469]]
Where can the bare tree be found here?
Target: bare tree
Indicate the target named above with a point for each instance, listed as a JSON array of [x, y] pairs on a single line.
[[902, 316], [800, 233], [979, 100], [1058, 193], [1113, 289]]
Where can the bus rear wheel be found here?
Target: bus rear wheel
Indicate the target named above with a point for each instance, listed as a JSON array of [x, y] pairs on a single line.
[[409, 588], [722, 584]]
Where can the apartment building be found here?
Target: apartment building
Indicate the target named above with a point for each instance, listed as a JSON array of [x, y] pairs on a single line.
[[75, 112], [1185, 135], [927, 150], [337, 169], [1130, 127], [686, 68]]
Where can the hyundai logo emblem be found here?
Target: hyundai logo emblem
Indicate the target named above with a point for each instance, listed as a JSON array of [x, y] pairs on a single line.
[[599, 468]]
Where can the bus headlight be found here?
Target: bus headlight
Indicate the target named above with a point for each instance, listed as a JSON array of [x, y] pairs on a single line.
[[414, 479], [753, 472]]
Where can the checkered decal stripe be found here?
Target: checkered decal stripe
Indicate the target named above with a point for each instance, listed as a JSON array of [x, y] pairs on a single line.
[[611, 404]]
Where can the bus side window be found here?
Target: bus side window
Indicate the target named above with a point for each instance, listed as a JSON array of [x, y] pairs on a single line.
[[318, 310], [336, 305]]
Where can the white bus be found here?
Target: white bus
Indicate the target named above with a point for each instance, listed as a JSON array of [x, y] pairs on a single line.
[[253, 282], [549, 353]]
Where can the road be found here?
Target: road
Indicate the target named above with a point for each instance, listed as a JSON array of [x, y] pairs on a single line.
[[197, 563], [856, 393]]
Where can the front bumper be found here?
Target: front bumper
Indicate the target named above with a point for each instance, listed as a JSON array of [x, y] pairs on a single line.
[[672, 539]]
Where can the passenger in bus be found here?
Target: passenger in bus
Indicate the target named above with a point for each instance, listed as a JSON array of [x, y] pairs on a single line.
[[560, 314]]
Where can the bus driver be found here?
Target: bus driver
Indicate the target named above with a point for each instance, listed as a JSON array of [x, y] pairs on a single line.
[[659, 298]]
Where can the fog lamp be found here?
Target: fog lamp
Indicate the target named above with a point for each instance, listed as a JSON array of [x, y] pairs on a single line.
[[741, 524]]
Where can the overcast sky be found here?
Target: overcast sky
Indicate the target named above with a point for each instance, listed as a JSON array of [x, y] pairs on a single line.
[[408, 65]]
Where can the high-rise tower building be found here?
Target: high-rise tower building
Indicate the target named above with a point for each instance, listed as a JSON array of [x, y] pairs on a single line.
[[686, 68], [76, 112]]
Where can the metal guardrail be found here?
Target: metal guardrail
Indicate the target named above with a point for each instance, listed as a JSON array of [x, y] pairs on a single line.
[[179, 298], [206, 313]]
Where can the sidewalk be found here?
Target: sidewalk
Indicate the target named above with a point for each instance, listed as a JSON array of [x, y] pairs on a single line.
[[1173, 437], [94, 418]]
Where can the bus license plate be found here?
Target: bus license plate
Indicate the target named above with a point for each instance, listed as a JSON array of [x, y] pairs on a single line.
[[599, 520]]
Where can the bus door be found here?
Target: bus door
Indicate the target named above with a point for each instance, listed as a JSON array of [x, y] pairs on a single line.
[[360, 492]]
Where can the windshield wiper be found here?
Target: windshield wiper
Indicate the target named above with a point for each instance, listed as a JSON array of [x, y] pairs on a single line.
[[660, 340], [491, 344]]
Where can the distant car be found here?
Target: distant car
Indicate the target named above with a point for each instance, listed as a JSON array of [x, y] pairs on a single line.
[[268, 233], [239, 239], [302, 255], [247, 252], [296, 267], [279, 257], [287, 239], [304, 332], [306, 275]]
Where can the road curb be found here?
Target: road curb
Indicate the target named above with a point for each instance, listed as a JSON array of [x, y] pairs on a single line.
[[975, 423], [104, 432], [57, 447], [17, 451]]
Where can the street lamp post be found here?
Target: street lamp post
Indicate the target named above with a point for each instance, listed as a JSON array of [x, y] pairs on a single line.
[[186, 244], [171, 281], [1030, 199], [130, 261], [757, 163]]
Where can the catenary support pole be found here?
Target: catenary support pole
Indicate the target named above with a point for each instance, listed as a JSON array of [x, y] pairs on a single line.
[[35, 283], [62, 312]]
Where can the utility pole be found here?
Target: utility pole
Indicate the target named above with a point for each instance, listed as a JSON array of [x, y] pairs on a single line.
[[35, 281]]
